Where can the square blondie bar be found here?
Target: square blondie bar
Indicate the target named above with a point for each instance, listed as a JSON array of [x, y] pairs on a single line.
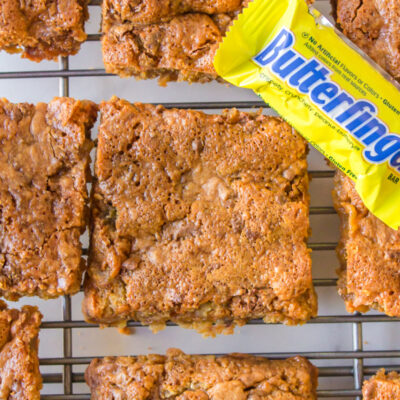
[[44, 161], [42, 29], [19, 362], [170, 40], [198, 219], [189, 377], [369, 252], [374, 26], [382, 386]]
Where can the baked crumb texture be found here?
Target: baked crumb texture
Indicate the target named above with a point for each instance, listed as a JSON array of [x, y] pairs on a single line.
[[198, 219], [19, 363], [382, 386], [44, 168], [42, 29], [373, 25], [186, 377], [172, 40], [369, 252]]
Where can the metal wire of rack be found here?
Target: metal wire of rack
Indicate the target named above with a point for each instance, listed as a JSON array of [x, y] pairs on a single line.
[[358, 370]]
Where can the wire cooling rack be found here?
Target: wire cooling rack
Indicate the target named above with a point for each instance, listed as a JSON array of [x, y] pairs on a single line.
[[357, 355]]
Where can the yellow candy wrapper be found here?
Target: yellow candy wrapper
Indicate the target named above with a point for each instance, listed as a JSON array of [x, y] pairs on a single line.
[[329, 91]]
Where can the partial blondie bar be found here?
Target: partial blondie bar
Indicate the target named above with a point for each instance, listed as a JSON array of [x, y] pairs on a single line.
[[170, 40], [382, 386], [42, 29], [44, 166], [375, 27], [181, 376], [369, 252], [198, 219], [155, 11], [19, 362]]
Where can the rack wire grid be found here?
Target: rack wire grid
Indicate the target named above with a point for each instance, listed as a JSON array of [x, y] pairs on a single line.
[[63, 375]]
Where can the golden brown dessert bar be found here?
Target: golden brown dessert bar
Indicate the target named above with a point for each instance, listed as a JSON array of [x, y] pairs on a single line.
[[369, 252], [187, 377], [154, 11], [198, 219], [19, 362], [178, 44], [42, 29], [382, 386], [375, 27], [44, 161], [180, 49]]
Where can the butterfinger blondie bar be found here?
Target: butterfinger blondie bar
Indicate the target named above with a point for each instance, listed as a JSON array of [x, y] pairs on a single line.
[[198, 219], [42, 29], [369, 252], [170, 40], [153, 11], [375, 27], [44, 161], [19, 363], [181, 376], [382, 386]]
